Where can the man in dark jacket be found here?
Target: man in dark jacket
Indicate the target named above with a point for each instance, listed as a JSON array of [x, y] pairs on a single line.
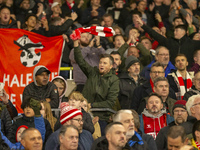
[[41, 88]]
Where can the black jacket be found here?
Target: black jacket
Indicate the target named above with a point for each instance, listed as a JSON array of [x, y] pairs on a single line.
[[11, 24], [143, 91], [191, 92], [127, 86], [6, 123]]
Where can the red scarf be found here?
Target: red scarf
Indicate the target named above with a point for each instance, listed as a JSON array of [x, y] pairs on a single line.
[[197, 144], [70, 5], [152, 84]]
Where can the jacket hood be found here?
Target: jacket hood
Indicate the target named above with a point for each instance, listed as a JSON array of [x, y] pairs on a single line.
[[36, 70], [147, 114], [65, 82]]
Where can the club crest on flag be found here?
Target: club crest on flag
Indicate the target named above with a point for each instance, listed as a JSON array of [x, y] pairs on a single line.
[[28, 57]]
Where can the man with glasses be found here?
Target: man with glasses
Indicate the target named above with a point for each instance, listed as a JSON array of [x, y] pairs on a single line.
[[193, 106], [195, 88], [71, 116], [162, 56], [144, 90], [180, 118], [180, 80]]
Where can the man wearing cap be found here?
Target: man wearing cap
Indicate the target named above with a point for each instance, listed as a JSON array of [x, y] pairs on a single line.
[[180, 118], [55, 8], [154, 117], [71, 116], [41, 88], [129, 81]]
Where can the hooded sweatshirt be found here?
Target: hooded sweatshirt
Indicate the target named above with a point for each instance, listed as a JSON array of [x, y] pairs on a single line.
[[41, 92]]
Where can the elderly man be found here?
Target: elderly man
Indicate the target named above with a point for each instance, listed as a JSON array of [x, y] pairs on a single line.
[[68, 137], [31, 139], [154, 117], [70, 116], [162, 56], [193, 106], [161, 87], [41, 88], [180, 118], [195, 88]]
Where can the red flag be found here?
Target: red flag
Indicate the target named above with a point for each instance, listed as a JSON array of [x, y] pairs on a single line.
[[20, 52]]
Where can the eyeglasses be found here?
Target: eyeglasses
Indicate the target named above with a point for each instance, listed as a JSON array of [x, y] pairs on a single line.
[[79, 120], [157, 72], [181, 111], [196, 104]]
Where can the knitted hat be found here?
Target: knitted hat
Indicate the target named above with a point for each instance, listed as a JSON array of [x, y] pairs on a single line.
[[130, 60], [180, 103], [68, 112], [22, 126]]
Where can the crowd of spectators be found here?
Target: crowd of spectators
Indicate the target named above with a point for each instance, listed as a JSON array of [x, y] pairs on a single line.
[[138, 89]]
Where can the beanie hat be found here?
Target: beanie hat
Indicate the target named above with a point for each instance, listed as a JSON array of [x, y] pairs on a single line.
[[68, 112], [180, 103], [130, 60], [22, 126]]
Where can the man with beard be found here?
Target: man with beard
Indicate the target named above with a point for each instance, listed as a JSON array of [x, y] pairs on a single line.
[[91, 50], [117, 61], [162, 56], [154, 117], [129, 81], [180, 80], [180, 118]]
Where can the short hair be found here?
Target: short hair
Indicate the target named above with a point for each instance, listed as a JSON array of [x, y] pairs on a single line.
[[108, 15], [190, 103], [195, 52], [117, 116], [64, 128], [136, 119], [183, 27], [178, 17], [196, 127], [77, 96], [114, 37], [109, 126], [176, 131], [160, 79], [54, 20], [23, 135], [180, 55], [3, 7], [136, 12], [30, 15], [156, 64], [144, 38], [107, 56], [134, 28], [155, 94], [158, 49]]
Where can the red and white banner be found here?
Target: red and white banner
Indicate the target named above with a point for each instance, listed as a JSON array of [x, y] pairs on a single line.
[[20, 52]]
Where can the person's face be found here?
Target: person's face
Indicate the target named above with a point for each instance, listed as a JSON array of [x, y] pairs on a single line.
[[142, 6], [181, 63], [156, 72], [147, 44], [117, 136], [42, 111], [134, 17], [178, 21], [95, 2], [31, 22], [134, 69], [193, 5], [128, 123], [196, 37], [104, 66], [119, 4], [42, 79], [25, 4], [179, 33], [154, 105], [117, 60], [9, 2], [163, 56], [56, 9], [60, 87], [162, 88], [196, 81], [32, 140], [28, 112], [117, 31], [195, 109], [174, 144], [119, 41], [78, 122], [180, 115], [75, 103], [134, 32], [70, 139], [85, 39], [133, 51], [85, 106], [5, 15], [108, 21], [19, 133]]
